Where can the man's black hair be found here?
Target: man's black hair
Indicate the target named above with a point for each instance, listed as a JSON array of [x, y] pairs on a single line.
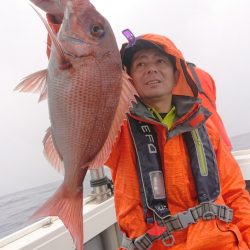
[[127, 53]]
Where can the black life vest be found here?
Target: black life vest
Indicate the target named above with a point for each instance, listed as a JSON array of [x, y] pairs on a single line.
[[202, 161]]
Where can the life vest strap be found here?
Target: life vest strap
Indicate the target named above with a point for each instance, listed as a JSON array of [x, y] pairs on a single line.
[[180, 221], [146, 240], [204, 211], [191, 66]]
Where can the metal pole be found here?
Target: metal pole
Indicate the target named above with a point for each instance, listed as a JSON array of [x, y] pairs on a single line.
[[99, 184]]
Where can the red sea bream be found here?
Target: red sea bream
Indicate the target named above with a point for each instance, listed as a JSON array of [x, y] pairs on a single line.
[[88, 97]]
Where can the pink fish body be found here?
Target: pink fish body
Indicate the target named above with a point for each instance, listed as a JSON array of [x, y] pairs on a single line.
[[88, 97]]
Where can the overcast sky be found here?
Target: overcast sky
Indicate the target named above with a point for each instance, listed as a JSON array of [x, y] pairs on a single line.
[[214, 34]]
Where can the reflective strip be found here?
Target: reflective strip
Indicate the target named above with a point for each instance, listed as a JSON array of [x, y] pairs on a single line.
[[203, 164], [200, 152]]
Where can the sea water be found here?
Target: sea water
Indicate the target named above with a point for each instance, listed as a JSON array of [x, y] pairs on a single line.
[[17, 208]]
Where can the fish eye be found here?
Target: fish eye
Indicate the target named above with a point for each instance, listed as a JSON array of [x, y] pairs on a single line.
[[97, 30]]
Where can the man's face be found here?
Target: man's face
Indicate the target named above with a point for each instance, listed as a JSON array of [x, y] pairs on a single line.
[[153, 75]]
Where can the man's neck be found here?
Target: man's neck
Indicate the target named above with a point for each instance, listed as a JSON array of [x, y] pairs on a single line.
[[161, 106]]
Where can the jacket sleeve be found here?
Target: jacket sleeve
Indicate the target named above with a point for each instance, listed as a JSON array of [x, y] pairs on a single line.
[[233, 189]]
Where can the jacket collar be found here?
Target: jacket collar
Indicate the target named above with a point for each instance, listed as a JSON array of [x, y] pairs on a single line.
[[189, 113], [183, 105]]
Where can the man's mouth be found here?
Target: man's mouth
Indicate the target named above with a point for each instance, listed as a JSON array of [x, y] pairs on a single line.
[[153, 82]]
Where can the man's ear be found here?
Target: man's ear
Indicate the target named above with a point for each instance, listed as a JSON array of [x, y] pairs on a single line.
[[176, 76]]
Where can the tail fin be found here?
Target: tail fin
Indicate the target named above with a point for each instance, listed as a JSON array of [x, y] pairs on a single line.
[[68, 207]]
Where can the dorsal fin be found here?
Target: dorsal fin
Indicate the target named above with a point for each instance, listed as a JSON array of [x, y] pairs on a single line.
[[61, 56]]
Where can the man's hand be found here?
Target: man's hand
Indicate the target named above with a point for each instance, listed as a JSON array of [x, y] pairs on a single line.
[[53, 7]]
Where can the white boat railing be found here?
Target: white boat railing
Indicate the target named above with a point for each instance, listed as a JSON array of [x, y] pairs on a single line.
[[50, 233]]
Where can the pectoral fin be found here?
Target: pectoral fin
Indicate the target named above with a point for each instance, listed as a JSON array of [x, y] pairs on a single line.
[[36, 83], [51, 153]]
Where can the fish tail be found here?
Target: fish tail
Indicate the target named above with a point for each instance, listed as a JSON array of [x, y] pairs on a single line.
[[68, 207]]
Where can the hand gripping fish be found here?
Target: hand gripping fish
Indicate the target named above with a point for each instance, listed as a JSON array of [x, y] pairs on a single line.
[[88, 97]]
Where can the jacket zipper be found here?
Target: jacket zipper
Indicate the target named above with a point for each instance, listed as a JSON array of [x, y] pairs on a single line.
[[200, 152]]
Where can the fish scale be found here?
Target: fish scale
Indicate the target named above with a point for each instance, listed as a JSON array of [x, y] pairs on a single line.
[[77, 120]]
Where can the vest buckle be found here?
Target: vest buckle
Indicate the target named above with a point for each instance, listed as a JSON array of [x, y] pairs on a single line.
[[168, 240], [143, 242], [225, 214], [186, 218]]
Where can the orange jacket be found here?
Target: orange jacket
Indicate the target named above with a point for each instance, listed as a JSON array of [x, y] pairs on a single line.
[[181, 194]]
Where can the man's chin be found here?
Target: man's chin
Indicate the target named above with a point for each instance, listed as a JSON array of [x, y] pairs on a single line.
[[152, 98], [153, 95]]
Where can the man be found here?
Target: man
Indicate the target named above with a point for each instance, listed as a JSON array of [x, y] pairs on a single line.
[[170, 122], [176, 184]]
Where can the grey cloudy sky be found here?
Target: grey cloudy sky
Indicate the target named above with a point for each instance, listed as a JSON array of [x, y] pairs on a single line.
[[214, 34]]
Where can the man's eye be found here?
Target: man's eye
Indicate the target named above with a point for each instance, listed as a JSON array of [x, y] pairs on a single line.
[[161, 61], [140, 64]]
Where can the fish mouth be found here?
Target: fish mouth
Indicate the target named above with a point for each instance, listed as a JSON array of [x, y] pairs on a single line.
[[76, 56], [73, 39], [76, 50]]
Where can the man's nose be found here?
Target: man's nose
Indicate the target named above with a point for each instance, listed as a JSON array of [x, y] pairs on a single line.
[[152, 69]]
